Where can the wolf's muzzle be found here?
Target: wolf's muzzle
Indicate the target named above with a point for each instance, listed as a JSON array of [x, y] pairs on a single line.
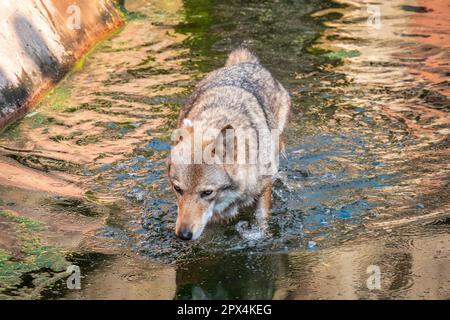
[[185, 234]]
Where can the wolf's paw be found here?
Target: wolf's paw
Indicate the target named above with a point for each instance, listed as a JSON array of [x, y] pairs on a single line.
[[251, 232]]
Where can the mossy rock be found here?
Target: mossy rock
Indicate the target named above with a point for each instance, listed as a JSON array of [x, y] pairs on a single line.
[[36, 261]]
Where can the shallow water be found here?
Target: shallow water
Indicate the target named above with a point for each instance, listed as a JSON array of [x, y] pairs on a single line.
[[364, 181]]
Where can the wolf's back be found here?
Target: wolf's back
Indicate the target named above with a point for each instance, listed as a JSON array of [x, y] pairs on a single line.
[[241, 55], [242, 73]]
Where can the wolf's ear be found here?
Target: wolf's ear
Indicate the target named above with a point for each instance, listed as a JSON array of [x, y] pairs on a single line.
[[181, 133], [226, 145]]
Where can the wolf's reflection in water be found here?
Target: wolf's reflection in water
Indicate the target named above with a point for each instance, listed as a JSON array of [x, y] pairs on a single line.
[[230, 277]]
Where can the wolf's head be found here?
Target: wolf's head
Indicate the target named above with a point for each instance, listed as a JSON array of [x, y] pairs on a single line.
[[203, 186], [201, 190]]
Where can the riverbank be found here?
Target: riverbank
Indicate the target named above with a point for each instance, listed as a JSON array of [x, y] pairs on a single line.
[[40, 42]]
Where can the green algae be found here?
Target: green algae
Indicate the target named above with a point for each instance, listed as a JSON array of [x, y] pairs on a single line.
[[12, 132], [342, 54], [36, 260]]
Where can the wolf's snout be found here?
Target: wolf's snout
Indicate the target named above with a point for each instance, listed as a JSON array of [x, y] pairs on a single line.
[[185, 234]]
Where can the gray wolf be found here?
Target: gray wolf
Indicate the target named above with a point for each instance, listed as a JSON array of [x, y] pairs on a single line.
[[215, 165]]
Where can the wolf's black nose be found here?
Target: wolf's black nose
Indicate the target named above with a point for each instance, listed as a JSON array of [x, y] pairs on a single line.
[[185, 234]]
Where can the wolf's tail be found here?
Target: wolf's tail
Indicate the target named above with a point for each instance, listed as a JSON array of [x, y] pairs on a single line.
[[241, 55]]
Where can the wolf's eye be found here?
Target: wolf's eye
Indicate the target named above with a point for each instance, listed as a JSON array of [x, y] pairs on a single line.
[[178, 189], [206, 193]]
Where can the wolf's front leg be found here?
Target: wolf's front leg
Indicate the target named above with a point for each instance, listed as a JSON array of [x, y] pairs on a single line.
[[263, 207], [230, 212]]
